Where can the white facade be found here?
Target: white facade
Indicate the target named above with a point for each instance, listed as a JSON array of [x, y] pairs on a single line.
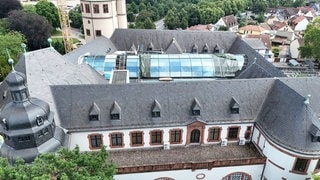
[[302, 25], [281, 162], [81, 138], [101, 18], [215, 173]]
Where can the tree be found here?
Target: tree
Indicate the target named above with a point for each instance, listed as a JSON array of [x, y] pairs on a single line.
[[49, 11], [34, 27], [171, 20], [8, 5], [29, 8], [66, 164], [10, 42], [311, 40], [299, 3], [148, 24], [75, 17]]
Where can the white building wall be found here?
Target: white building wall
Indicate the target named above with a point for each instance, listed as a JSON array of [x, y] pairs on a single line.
[[280, 161], [81, 138], [215, 173], [302, 25], [106, 22]]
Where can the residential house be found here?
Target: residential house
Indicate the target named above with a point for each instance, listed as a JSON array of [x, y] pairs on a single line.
[[298, 23], [307, 12], [251, 29], [294, 48], [229, 22], [261, 47], [283, 38], [201, 27]]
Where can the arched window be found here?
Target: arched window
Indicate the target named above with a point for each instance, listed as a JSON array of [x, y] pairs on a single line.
[[195, 136], [237, 176]]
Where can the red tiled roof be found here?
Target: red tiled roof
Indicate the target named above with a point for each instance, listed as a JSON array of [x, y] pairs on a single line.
[[200, 27], [252, 28]]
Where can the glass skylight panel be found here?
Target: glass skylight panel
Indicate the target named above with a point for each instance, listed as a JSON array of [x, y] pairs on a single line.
[[154, 68], [164, 68], [133, 66], [185, 67], [196, 68]]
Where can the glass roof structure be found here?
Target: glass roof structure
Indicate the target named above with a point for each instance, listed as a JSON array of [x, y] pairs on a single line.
[[152, 66]]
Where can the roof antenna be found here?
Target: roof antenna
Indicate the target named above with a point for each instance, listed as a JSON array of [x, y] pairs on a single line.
[[10, 60], [24, 46], [307, 100]]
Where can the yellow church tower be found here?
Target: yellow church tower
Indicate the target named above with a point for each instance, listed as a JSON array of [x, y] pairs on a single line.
[[102, 17]]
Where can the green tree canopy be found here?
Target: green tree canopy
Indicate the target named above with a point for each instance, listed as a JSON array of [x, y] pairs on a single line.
[[8, 5], [65, 165], [75, 17], [49, 11], [311, 40], [34, 27], [10, 42], [29, 8]]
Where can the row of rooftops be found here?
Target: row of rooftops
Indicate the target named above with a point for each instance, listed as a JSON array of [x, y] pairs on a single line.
[[276, 105]]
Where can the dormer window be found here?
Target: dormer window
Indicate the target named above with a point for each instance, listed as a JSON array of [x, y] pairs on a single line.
[[115, 113], [94, 117], [94, 112], [205, 48], [115, 116], [196, 107], [150, 47], [194, 49], [156, 109], [234, 106], [155, 113], [39, 120], [196, 112], [216, 49]]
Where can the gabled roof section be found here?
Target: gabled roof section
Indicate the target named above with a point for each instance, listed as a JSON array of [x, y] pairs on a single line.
[[216, 48], [257, 66], [234, 103], [230, 20], [124, 38], [94, 109], [115, 109], [96, 47], [133, 48], [205, 48], [194, 48], [155, 106], [150, 46], [286, 119], [195, 105], [174, 47]]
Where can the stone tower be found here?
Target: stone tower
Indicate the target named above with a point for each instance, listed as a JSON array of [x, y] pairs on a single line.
[[27, 124], [102, 17]]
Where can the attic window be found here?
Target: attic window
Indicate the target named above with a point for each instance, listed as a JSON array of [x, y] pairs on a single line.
[[234, 106], [216, 49], [94, 117], [196, 112], [196, 107], [194, 49], [115, 116], [94, 112], [155, 113], [205, 48], [156, 109], [150, 47], [39, 120], [115, 111]]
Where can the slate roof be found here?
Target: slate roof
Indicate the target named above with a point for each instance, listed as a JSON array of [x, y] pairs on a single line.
[[176, 99], [124, 38], [99, 46], [255, 43], [257, 66], [47, 67], [287, 120]]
